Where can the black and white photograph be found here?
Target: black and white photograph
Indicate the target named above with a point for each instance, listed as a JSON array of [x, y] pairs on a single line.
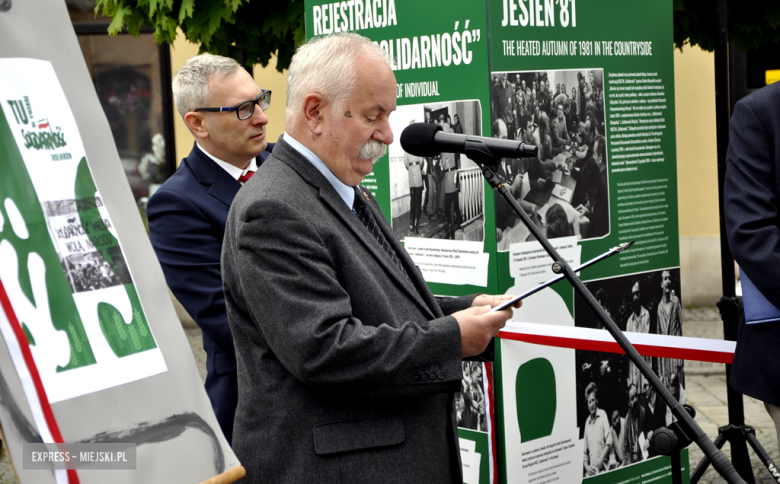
[[86, 269], [470, 402], [565, 190], [439, 197], [617, 408], [90, 271]]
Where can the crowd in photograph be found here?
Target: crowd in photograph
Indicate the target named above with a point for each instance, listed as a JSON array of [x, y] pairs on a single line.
[[568, 127], [618, 407]]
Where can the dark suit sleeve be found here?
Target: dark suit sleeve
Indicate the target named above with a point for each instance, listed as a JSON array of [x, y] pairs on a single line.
[[451, 305], [751, 204], [556, 135], [307, 316], [188, 246]]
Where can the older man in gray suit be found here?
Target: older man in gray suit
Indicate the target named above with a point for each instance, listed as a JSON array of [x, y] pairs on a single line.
[[347, 364]]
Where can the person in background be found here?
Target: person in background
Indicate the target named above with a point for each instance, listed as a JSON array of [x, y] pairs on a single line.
[[597, 435], [413, 165], [752, 215], [223, 108], [669, 323], [638, 322]]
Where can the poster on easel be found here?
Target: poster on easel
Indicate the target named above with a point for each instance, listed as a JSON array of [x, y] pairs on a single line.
[[440, 207], [592, 85], [92, 354], [61, 263]]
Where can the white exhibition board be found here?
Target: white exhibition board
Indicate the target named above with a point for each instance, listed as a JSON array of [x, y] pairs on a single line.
[[99, 360]]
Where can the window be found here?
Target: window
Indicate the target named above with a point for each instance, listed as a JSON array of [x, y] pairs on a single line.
[[132, 78]]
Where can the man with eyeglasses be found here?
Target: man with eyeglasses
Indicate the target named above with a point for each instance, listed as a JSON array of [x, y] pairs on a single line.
[[224, 109]]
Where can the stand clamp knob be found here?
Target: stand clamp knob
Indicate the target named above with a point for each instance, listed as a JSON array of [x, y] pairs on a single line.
[[664, 441]]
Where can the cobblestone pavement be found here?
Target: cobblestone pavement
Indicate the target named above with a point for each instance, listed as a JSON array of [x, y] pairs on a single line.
[[706, 391]]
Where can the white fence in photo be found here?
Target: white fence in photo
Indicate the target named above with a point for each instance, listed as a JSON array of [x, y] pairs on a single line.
[[472, 193]]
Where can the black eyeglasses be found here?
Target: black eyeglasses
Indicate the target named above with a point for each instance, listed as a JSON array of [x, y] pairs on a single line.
[[246, 109]]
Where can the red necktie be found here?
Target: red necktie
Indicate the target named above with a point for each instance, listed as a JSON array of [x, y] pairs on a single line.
[[246, 176]]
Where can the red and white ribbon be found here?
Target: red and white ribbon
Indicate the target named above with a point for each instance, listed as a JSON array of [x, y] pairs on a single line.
[[680, 347], [19, 349]]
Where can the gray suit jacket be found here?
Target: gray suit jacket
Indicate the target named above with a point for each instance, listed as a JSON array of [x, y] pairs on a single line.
[[346, 368]]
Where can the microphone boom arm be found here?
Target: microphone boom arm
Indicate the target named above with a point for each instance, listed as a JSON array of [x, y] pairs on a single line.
[[481, 155]]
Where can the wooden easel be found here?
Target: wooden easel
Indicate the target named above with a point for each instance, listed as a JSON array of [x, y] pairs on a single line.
[[227, 477]]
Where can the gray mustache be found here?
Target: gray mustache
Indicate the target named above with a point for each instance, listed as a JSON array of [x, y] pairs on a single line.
[[373, 150]]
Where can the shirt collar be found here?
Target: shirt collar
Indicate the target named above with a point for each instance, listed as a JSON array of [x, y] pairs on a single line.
[[592, 418], [232, 170], [346, 192]]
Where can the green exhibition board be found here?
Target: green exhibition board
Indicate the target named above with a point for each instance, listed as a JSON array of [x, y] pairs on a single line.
[[610, 71], [486, 63], [441, 57], [629, 49], [538, 409], [440, 51]]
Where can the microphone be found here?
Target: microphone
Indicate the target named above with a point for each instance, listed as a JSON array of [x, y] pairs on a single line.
[[427, 139]]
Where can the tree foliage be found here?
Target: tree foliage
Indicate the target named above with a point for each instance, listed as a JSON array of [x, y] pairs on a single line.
[[250, 32], [751, 24]]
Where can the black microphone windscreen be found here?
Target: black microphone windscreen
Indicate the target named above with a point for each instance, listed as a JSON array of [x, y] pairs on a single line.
[[417, 139]]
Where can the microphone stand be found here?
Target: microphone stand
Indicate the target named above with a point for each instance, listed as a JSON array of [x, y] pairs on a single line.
[[678, 435]]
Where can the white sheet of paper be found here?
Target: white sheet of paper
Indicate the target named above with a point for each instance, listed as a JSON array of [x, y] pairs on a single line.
[[470, 461], [530, 262], [449, 261], [467, 445]]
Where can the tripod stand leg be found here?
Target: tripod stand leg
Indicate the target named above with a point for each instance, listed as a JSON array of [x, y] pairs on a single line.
[[676, 468], [705, 462], [741, 460], [763, 455], [736, 430]]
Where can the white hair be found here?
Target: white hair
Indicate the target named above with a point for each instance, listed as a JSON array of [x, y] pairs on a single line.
[[191, 83], [326, 65]]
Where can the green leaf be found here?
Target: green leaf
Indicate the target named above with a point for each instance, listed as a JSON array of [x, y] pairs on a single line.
[[250, 31], [186, 9], [233, 4], [116, 25]]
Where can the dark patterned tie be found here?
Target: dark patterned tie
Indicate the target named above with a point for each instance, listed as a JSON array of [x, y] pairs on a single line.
[[363, 213]]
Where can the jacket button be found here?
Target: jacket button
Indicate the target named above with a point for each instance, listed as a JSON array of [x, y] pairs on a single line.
[[442, 375], [433, 375], [424, 377]]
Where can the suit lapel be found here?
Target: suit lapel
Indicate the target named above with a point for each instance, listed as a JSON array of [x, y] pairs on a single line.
[[415, 277], [224, 186], [221, 185], [331, 198]]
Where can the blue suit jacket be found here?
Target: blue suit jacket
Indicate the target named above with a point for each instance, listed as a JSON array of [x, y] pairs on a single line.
[[752, 210], [187, 223]]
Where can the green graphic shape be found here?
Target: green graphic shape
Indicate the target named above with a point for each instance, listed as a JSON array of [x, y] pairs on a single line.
[[536, 399], [124, 339], [28, 335], [17, 185]]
